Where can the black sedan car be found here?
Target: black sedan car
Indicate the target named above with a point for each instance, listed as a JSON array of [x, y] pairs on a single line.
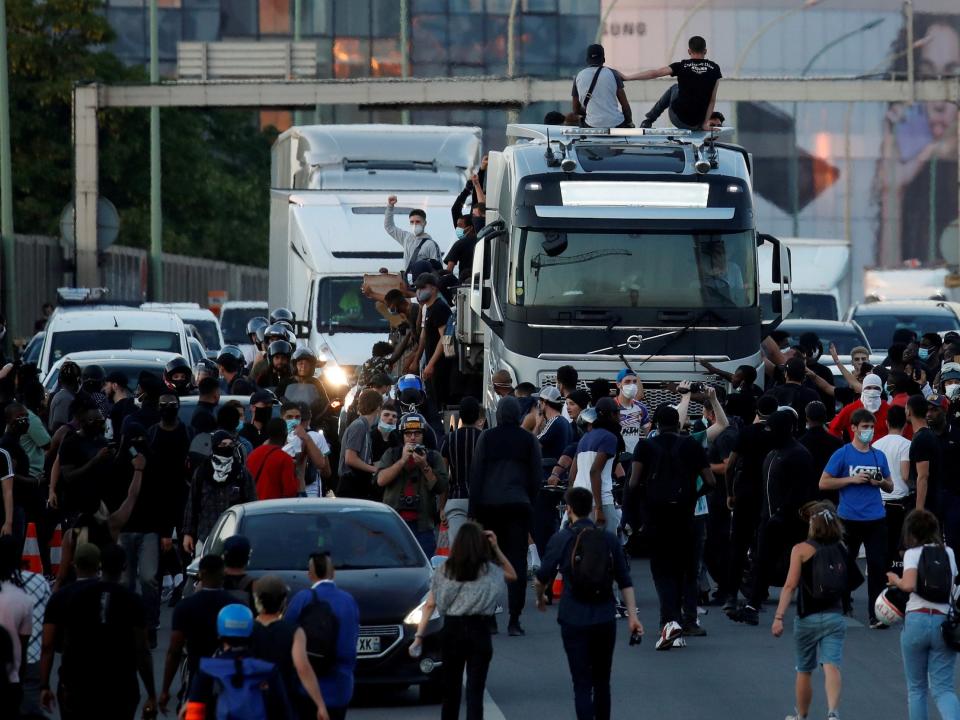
[[377, 560]]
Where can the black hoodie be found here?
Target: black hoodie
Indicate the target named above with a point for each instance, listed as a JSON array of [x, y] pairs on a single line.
[[506, 463], [790, 479]]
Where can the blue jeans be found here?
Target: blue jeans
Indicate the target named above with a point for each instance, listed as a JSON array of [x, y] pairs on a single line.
[[928, 662], [143, 564], [818, 637], [589, 651]]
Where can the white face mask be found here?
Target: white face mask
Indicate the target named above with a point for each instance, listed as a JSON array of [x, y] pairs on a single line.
[[952, 391], [221, 467], [629, 391], [870, 398], [416, 228]]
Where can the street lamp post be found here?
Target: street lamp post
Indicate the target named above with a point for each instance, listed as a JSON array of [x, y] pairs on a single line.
[[512, 115], [156, 217], [6, 180], [794, 183]]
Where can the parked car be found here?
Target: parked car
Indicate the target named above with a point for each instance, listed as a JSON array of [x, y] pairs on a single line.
[[377, 560], [880, 320], [206, 323], [87, 330], [130, 362]]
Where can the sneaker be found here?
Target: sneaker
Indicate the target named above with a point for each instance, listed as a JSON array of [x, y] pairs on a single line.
[[729, 607], [680, 642], [671, 631], [877, 625], [514, 629], [647, 123], [694, 629], [795, 716], [833, 715], [746, 615]]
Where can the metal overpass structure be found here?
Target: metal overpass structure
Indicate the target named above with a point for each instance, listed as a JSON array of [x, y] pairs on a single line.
[[489, 92]]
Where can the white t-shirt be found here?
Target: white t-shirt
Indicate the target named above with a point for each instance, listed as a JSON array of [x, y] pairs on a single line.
[[593, 442], [896, 448], [603, 109], [911, 559], [294, 445], [633, 419], [16, 617]]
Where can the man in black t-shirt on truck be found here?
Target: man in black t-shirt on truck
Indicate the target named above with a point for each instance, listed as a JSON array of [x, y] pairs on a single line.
[[690, 101]]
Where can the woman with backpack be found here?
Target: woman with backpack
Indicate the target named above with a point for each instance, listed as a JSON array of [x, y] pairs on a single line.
[[929, 570], [465, 590], [818, 566]]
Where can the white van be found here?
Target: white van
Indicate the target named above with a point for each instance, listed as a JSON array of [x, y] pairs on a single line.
[[201, 318], [75, 330]]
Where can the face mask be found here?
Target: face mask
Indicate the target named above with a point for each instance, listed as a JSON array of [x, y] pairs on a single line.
[[629, 391], [240, 425], [866, 436], [952, 391], [168, 414], [424, 295], [416, 228], [923, 353], [461, 232], [221, 465], [21, 425], [387, 427], [871, 399], [292, 425], [262, 415]]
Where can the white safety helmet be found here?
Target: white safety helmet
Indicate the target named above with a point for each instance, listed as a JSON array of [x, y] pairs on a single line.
[[889, 610]]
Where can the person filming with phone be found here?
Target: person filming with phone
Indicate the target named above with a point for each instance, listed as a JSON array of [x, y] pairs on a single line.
[[412, 477]]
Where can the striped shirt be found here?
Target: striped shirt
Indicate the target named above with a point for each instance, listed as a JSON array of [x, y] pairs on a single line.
[[457, 450]]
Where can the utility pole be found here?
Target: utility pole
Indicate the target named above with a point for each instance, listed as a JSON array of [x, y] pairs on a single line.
[[156, 209], [405, 51], [6, 180]]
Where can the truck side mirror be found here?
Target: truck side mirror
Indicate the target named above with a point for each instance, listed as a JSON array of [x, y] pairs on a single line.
[[494, 231]]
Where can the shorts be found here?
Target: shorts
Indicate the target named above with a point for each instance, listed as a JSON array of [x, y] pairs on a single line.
[[819, 636]]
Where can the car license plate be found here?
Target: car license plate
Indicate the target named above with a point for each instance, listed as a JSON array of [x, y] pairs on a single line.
[[368, 645]]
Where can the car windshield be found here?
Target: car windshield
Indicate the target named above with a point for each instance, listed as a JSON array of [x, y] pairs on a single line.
[[844, 338], [233, 324], [71, 341], [208, 333], [632, 269], [880, 328], [342, 308], [805, 305], [356, 539]]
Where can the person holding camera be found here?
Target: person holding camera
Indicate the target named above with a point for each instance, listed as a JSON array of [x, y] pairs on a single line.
[[860, 472], [412, 478]]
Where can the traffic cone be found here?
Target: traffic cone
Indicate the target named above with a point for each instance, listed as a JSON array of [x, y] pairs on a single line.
[[557, 589], [31, 551], [55, 543]]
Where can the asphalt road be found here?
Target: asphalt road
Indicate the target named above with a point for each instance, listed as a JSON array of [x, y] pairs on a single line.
[[736, 671]]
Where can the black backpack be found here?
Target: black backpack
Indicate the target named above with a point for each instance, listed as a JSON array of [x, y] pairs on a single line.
[[828, 572], [322, 628], [665, 485], [934, 575], [591, 566]]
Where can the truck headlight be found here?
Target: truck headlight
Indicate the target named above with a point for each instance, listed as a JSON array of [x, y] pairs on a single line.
[[416, 615], [335, 375]]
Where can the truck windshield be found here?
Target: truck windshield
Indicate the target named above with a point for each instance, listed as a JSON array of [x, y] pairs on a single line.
[[343, 308], [632, 269]]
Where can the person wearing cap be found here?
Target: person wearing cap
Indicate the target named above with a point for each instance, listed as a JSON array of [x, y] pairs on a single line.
[[412, 478], [436, 366], [262, 403], [226, 669], [116, 385], [598, 96], [690, 102], [236, 581], [554, 434], [871, 399], [416, 242], [860, 472], [634, 415]]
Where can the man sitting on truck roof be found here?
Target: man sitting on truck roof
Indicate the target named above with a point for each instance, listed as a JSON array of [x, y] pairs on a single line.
[[417, 244], [690, 102], [598, 97]]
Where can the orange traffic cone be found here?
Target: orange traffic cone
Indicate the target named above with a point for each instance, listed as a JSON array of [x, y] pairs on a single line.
[[55, 543], [31, 551], [557, 589]]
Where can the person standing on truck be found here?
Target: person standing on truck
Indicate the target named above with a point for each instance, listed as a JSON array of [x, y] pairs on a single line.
[[417, 243], [598, 97], [690, 101]]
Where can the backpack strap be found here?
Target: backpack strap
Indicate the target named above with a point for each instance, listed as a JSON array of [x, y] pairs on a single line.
[[593, 84], [266, 457]]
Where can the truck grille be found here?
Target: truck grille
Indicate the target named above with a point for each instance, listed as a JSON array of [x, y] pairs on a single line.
[[655, 394]]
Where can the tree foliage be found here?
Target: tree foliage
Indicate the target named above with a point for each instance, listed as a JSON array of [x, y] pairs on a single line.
[[215, 163]]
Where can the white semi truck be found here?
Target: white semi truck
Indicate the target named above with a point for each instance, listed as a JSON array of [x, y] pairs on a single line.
[[328, 192], [617, 247], [821, 278]]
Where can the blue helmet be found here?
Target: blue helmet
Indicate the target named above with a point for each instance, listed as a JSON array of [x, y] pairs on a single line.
[[235, 621], [410, 390]]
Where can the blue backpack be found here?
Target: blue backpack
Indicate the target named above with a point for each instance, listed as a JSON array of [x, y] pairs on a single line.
[[240, 686]]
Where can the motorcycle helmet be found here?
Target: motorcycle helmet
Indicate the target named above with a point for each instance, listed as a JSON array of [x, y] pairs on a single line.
[[276, 331], [205, 367], [279, 347], [891, 606], [304, 353], [231, 358], [235, 621], [410, 390], [178, 375], [254, 325], [282, 315]]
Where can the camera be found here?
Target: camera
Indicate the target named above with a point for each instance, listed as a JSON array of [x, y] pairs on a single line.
[[876, 476], [409, 502], [695, 387], [420, 449]]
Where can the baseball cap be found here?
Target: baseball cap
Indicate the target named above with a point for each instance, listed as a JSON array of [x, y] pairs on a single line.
[[625, 372], [608, 406], [595, 54], [427, 278], [119, 377], [550, 394], [264, 396], [412, 422]]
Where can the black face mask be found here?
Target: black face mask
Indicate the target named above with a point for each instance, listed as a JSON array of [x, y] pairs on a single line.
[[168, 413], [262, 415]]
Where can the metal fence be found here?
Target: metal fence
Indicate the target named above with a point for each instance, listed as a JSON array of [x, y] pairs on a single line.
[[41, 269]]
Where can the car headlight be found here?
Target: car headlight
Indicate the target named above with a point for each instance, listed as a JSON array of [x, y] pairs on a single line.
[[416, 615], [335, 375]]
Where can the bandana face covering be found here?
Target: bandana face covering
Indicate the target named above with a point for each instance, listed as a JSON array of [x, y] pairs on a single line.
[[221, 467]]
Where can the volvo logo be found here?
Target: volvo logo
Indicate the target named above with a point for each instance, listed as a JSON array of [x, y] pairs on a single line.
[[634, 342]]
